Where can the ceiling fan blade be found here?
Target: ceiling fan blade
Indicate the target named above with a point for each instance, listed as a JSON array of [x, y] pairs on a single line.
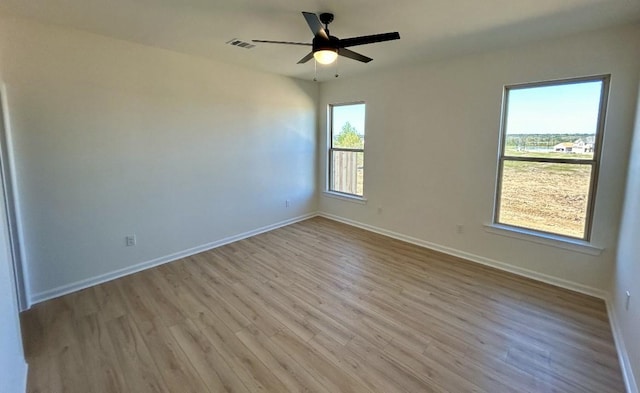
[[369, 39], [353, 55], [306, 58], [282, 42], [315, 25]]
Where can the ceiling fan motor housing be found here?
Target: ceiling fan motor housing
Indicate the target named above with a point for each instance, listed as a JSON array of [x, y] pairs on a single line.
[[326, 18], [320, 43]]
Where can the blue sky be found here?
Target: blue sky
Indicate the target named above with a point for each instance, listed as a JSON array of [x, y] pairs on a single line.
[[354, 114], [571, 108]]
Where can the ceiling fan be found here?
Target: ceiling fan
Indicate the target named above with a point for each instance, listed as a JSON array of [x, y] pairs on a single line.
[[326, 48]]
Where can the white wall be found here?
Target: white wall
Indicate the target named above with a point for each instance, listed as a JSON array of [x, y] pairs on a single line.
[[627, 270], [113, 138], [13, 369], [432, 143]]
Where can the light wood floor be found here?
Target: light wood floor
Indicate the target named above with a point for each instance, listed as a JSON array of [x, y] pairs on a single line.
[[322, 307]]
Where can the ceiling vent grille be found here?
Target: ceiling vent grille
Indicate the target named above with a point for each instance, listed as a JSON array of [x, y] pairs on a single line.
[[240, 43]]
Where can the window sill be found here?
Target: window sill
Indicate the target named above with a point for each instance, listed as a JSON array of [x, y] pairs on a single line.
[[345, 197], [576, 245]]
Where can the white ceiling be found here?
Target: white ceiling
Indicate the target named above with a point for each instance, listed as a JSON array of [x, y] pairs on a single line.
[[429, 29]]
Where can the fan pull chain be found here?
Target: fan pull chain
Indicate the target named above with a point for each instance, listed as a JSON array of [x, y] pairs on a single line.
[[315, 70], [337, 69]]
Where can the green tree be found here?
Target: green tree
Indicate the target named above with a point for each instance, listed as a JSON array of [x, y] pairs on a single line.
[[349, 138]]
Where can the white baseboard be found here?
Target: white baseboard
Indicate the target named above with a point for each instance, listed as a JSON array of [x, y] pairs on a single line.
[[619, 342], [79, 285], [623, 355], [559, 282], [89, 282]]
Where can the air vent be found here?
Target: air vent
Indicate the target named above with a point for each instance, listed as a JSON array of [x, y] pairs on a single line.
[[240, 43]]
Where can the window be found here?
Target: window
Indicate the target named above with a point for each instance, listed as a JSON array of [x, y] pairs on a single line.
[[550, 151], [346, 150]]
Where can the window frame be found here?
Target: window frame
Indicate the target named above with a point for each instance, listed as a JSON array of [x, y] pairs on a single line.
[[331, 149], [605, 79]]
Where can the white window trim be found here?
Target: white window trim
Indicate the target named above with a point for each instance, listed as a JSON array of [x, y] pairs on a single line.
[[547, 239], [328, 191], [606, 80], [345, 197]]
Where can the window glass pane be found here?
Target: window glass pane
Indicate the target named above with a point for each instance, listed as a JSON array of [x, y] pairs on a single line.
[[549, 197], [348, 126], [348, 172], [558, 121]]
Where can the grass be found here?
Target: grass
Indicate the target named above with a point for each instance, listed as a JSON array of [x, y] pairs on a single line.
[[549, 197], [542, 154], [526, 167]]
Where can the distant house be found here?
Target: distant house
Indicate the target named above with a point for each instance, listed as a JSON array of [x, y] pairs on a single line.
[[565, 147], [581, 146], [578, 146]]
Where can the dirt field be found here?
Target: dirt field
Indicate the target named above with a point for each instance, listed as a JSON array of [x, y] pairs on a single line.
[[546, 197]]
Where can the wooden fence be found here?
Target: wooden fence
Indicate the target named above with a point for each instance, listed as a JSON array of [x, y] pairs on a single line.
[[345, 172]]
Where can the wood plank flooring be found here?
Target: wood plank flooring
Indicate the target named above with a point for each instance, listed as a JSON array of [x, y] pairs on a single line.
[[319, 306]]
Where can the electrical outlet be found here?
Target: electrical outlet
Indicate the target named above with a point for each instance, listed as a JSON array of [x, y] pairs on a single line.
[[626, 306], [287, 203], [459, 229], [379, 209], [130, 240]]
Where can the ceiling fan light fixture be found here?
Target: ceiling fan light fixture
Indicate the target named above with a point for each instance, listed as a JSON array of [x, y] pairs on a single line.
[[326, 56]]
